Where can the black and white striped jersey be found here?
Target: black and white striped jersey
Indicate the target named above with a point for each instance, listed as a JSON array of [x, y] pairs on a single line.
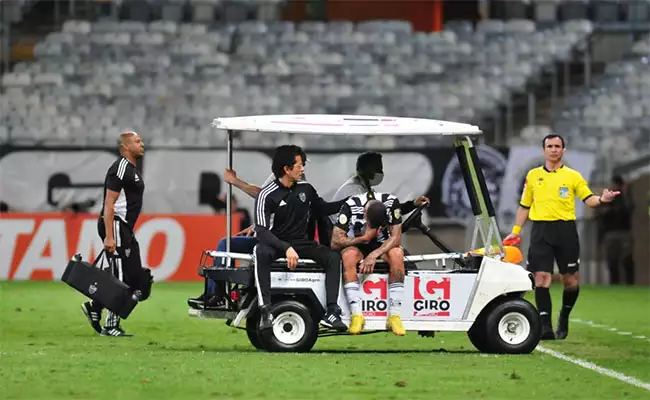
[[122, 177], [351, 217]]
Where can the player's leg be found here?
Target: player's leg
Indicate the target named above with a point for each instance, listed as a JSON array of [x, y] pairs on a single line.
[[215, 292], [613, 256], [540, 263], [395, 259], [330, 260], [568, 261], [126, 267], [210, 286], [138, 277], [264, 256], [351, 257], [628, 258]]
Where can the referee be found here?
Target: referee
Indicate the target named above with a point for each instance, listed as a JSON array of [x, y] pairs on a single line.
[[548, 199], [123, 190]]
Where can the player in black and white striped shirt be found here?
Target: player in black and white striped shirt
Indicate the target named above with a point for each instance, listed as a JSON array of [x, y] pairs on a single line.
[[123, 191], [369, 226]]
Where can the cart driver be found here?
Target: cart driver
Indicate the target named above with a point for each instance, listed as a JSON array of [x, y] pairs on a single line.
[[369, 226], [369, 174]]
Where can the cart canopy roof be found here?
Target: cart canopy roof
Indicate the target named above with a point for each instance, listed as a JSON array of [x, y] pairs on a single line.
[[323, 124]]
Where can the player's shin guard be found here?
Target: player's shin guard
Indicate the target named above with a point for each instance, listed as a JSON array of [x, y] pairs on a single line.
[[354, 297], [395, 296]]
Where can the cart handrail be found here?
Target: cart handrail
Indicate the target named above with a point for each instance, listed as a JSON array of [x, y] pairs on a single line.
[[411, 258]]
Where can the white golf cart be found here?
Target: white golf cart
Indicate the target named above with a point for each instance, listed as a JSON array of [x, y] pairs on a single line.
[[458, 291]]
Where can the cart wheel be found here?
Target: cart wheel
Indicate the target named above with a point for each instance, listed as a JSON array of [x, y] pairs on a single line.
[[294, 329], [478, 334], [252, 322], [513, 327]]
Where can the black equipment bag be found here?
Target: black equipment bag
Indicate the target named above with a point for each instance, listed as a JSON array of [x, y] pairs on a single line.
[[100, 284]]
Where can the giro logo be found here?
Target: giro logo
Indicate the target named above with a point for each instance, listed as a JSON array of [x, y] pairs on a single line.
[[431, 297], [374, 301]]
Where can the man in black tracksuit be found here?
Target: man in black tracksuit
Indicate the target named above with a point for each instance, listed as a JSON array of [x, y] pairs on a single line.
[[283, 209], [123, 195]]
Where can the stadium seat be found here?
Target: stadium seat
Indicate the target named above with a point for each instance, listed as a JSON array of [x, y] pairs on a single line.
[[545, 11], [574, 9], [605, 10], [637, 11]]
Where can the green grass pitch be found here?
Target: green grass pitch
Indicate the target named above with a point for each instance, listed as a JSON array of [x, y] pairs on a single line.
[[48, 350]]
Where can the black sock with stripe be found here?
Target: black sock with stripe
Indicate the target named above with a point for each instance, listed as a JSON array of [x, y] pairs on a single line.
[[569, 298], [543, 300]]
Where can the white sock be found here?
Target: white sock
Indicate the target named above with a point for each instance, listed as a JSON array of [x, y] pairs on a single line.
[[354, 297], [395, 295]]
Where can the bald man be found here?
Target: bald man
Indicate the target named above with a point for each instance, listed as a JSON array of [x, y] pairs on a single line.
[[123, 192]]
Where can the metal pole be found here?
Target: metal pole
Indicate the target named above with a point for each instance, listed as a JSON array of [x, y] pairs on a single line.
[[229, 197]]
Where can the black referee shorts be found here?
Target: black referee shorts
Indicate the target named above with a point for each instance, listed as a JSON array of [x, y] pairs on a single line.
[[554, 241], [128, 266]]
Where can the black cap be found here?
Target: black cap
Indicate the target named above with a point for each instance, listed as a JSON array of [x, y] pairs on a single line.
[[370, 161]]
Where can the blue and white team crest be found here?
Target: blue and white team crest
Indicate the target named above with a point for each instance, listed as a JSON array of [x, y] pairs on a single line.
[[302, 197], [564, 192]]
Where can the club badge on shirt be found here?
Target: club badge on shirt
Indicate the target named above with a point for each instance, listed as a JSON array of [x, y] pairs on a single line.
[[302, 196], [343, 219], [564, 192]]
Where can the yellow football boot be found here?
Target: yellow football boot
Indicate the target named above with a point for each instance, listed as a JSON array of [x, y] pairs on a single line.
[[394, 323], [356, 324]]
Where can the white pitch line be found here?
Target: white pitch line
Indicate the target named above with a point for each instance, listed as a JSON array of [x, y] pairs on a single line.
[[609, 329], [596, 368]]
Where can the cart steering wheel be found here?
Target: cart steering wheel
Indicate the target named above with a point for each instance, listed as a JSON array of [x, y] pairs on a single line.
[[413, 220]]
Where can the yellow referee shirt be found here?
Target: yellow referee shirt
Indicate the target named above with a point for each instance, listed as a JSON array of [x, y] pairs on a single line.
[[550, 195]]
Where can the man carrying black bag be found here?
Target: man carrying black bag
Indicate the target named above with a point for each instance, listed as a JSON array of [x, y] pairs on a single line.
[[123, 190]]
